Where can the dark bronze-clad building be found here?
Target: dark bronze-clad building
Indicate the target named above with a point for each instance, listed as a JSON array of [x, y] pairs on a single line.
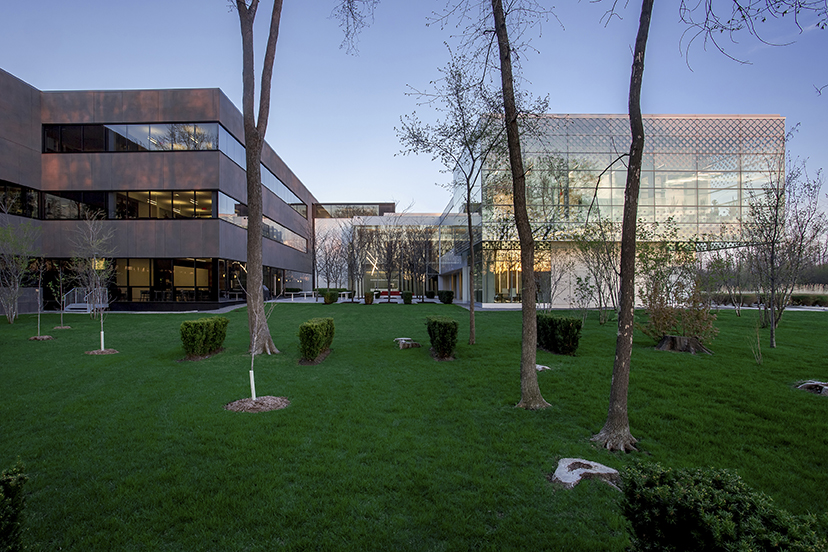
[[165, 170]]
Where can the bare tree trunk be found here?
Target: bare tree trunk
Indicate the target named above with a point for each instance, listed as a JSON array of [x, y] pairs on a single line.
[[254, 132], [615, 435], [471, 265], [530, 395]]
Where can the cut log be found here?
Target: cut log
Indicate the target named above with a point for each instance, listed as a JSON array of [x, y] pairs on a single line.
[[682, 344], [571, 471], [813, 386]]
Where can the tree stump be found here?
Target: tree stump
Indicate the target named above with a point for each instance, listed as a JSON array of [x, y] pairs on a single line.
[[682, 344]]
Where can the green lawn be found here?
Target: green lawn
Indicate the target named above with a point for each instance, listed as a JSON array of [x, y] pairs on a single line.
[[381, 448]]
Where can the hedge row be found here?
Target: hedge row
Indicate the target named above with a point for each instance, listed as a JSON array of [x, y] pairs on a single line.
[[315, 336], [559, 335], [203, 336], [446, 296], [708, 509], [12, 502], [797, 299], [442, 332]]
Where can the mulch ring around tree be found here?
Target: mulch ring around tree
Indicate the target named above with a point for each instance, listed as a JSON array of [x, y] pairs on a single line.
[[318, 360], [41, 338], [439, 358], [102, 352], [260, 404], [200, 357]]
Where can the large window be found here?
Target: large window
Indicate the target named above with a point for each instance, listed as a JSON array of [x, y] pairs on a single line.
[[177, 204], [187, 279], [73, 205], [233, 149], [235, 212], [18, 200], [161, 137], [136, 137]]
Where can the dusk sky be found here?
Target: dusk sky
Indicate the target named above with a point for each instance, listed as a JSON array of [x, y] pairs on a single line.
[[333, 115]]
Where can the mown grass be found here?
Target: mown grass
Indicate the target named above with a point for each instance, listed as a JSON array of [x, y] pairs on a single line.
[[381, 448]]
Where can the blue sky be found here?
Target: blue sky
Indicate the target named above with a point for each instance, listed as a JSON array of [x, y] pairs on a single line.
[[333, 115]]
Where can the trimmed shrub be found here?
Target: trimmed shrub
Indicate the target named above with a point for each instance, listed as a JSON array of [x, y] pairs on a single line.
[[331, 297], [369, 298], [407, 296], [430, 294], [293, 290], [12, 502], [203, 336], [315, 336], [559, 335], [446, 296], [442, 332], [708, 509]]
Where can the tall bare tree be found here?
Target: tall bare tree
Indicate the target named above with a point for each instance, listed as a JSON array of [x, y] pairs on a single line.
[[255, 128], [469, 132], [531, 397], [615, 435], [784, 230], [353, 16]]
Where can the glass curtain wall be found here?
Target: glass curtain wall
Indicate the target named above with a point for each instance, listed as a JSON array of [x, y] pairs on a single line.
[[697, 172]]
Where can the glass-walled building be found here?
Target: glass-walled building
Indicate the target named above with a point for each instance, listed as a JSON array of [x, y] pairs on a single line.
[[166, 172], [698, 172]]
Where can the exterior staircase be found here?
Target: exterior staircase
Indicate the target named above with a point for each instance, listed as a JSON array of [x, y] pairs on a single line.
[[82, 300]]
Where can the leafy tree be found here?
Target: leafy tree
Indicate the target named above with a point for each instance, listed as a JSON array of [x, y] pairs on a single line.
[[671, 285]]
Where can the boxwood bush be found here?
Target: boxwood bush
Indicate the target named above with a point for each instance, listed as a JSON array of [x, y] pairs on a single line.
[[203, 336], [331, 296], [315, 336], [407, 296], [369, 298], [446, 296], [430, 294], [559, 335], [442, 331], [12, 502], [708, 509]]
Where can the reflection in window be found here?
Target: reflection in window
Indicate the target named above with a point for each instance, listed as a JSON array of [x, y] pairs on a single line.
[[232, 210], [235, 212], [133, 137], [165, 279], [74, 205], [19, 200]]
